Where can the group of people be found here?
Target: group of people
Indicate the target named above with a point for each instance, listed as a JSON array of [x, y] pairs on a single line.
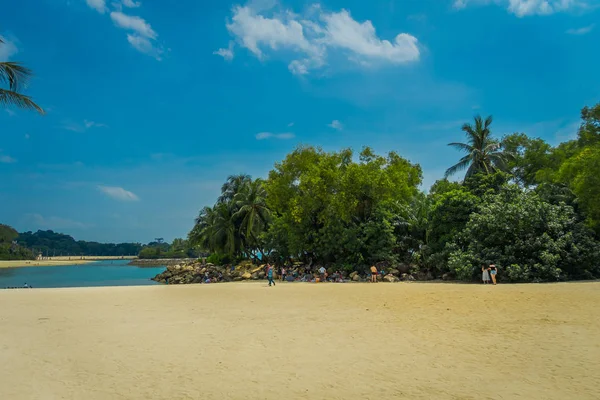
[[285, 275], [487, 272]]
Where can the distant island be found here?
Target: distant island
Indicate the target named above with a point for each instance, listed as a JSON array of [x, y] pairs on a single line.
[[50, 244]]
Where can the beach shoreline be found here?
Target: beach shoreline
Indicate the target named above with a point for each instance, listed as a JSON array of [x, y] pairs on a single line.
[[314, 341], [60, 261]]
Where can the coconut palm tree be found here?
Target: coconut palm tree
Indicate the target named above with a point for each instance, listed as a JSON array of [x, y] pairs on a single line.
[[484, 153], [252, 210], [234, 184], [15, 76]]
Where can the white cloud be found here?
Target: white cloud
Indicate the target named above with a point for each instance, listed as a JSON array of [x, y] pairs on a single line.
[[40, 221], [269, 135], [581, 31], [6, 159], [82, 127], [7, 49], [118, 193], [131, 3], [335, 124], [134, 23], [142, 36], [360, 38], [524, 8], [290, 124], [226, 53], [315, 34], [144, 45], [98, 5]]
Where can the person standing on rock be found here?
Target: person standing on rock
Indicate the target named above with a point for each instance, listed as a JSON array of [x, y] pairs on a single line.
[[270, 274]]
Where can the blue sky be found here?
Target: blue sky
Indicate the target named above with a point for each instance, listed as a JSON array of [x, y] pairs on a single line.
[[152, 104]]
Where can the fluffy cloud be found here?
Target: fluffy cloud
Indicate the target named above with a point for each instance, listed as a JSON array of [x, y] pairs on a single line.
[[7, 49], [142, 36], [6, 159], [131, 3], [136, 24], [523, 8], [118, 193], [227, 53], [311, 37], [581, 31], [98, 5], [335, 124], [269, 135]]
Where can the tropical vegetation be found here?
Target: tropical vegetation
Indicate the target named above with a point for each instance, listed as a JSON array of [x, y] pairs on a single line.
[[531, 208], [14, 77]]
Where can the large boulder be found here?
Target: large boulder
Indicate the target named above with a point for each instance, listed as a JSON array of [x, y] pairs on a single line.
[[394, 272], [261, 275], [356, 278], [247, 275], [390, 278], [255, 276]]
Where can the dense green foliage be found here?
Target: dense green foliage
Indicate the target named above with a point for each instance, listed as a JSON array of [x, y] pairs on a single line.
[[530, 208], [9, 249], [50, 243], [178, 249]]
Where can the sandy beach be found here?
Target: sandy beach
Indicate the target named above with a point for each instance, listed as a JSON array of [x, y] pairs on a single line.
[[302, 341], [54, 261]]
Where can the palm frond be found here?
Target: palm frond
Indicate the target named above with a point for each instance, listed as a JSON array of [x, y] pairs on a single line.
[[14, 75], [461, 165], [462, 146], [12, 98]]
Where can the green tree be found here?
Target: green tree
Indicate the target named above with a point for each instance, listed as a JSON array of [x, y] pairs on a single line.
[[484, 153], [14, 77], [529, 156], [252, 212], [530, 240]]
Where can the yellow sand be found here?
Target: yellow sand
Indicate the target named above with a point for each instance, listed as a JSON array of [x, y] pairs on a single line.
[[302, 341], [53, 261]]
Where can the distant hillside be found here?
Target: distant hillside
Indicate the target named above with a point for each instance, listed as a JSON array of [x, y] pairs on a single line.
[[51, 243]]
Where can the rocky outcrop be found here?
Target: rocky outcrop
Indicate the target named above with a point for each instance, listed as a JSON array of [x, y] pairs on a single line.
[[195, 271], [161, 262]]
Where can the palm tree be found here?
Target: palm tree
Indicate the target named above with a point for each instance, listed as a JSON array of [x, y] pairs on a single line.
[[15, 76], [252, 210], [484, 153], [234, 184]]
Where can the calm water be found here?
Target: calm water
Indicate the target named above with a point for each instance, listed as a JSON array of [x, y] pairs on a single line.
[[100, 273]]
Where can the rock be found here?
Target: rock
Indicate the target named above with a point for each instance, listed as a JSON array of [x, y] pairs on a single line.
[[394, 272], [261, 275], [238, 278], [247, 275], [177, 267], [353, 274], [255, 276], [390, 278], [447, 277], [410, 278], [403, 268], [356, 278]]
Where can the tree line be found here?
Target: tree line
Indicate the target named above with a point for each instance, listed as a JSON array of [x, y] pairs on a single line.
[[530, 208]]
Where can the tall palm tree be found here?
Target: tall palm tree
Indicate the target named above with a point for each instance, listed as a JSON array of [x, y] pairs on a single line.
[[15, 77], [253, 212], [234, 184], [484, 153]]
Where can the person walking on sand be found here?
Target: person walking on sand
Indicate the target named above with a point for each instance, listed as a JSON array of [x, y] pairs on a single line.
[[493, 272], [283, 273], [270, 274], [373, 274], [485, 275]]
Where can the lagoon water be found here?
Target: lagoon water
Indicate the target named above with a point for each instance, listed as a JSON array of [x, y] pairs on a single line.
[[99, 273]]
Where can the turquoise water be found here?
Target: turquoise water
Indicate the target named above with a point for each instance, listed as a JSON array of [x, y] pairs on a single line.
[[99, 273]]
